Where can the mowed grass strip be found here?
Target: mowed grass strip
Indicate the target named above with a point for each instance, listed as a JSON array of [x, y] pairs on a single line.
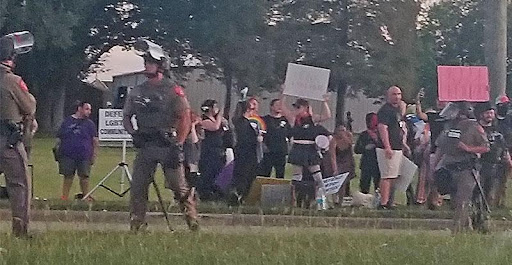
[[258, 246]]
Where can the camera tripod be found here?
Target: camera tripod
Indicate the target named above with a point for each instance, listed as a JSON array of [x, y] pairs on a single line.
[[125, 173]]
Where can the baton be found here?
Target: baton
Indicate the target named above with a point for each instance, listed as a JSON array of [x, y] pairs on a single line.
[[480, 189], [164, 211]]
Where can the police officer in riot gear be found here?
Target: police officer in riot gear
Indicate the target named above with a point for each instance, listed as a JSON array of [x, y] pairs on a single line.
[[459, 147], [16, 103], [162, 113], [493, 162]]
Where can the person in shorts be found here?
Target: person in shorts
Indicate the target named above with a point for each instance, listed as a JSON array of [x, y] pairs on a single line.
[[78, 144]]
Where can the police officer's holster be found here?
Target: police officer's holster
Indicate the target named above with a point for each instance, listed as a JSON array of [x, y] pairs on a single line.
[[13, 163], [160, 148]]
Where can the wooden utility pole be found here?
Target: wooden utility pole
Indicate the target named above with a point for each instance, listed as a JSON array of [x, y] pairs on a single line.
[[495, 33]]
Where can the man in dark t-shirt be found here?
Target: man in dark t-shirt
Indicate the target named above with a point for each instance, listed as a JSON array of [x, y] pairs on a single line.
[[390, 142], [78, 145], [276, 141]]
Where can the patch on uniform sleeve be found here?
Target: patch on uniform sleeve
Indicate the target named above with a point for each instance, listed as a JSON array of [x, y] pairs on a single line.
[[22, 85], [179, 91]]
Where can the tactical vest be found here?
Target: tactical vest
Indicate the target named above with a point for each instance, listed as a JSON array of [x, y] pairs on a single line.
[[497, 146], [153, 109]]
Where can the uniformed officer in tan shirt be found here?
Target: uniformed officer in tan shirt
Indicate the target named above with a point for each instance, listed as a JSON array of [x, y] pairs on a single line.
[[162, 113], [16, 103], [460, 148]]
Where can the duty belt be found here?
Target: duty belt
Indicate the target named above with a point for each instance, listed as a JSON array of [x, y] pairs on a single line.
[[7, 127]]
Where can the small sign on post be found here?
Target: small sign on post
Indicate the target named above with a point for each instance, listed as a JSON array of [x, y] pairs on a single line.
[[306, 81], [110, 126]]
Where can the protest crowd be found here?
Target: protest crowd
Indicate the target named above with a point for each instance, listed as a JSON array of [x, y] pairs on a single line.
[[458, 149]]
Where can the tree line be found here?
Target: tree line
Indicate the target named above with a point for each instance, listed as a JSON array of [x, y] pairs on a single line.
[[368, 44]]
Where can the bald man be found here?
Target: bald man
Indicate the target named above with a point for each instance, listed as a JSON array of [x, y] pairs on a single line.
[[389, 151]]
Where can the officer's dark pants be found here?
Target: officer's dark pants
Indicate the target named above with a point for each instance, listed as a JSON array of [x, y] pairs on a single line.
[[465, 183], [273, 160], [144, 169], [491, 178], [13, 163]]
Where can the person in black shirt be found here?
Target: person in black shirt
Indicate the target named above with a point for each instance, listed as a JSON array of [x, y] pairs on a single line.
[[304, 153], [493, 162], [246, 160], [213, 153], [391, 143], [349, 121], [365, 145], [276, 141], [504, 122]]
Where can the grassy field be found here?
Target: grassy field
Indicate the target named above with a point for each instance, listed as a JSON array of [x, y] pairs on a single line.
[[235, 245], [47, 182]]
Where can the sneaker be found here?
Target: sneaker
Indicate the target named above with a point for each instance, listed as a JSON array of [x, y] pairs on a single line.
[[137, 226], [382, 207], [234, 199], [193, 225]]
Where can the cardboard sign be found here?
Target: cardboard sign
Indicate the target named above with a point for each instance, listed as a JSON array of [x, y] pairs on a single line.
[[110, 126], [463, 83], [333, 184], [306, 81]]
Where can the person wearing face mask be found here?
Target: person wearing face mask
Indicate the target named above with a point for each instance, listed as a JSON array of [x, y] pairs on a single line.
[[366, 145], [213, 152]]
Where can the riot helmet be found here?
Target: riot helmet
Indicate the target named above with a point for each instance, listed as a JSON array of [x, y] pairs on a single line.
[[153, 53], [14, 44]]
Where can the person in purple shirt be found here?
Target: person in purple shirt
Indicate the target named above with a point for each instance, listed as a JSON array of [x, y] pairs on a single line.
[[78, 144]]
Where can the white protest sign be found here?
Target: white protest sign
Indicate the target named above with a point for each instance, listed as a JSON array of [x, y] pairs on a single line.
[[110, 126], [306, 81], [333, 184], [407, 171]]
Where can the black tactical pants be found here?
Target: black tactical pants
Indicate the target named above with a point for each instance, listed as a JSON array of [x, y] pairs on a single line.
[[491, 178]]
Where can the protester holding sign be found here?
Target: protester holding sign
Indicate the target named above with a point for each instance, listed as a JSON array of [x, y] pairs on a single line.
[[304, 153], [389, 152]]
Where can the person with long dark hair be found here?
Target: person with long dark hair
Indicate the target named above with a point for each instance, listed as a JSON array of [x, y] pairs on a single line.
[[213, 152], [246, 160], [304, 153]]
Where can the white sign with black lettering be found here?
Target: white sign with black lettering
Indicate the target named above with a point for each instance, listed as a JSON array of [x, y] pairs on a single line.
[[110, 127], [333, 184]]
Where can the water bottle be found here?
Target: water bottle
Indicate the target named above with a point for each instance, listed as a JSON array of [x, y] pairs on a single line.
[[321, 203], [376, 199]]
